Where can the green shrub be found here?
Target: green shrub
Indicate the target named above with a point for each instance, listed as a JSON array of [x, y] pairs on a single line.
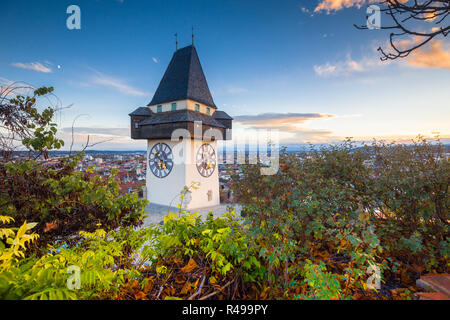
[[221, 243]]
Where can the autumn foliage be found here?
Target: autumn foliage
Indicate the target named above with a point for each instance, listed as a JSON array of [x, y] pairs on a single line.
[[347, 208]]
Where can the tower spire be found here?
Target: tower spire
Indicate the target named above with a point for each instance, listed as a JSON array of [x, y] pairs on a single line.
[[192, 35], [183, 79], [176, 41]]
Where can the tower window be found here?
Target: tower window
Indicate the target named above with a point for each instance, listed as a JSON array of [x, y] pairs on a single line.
[[136, 125], [208, 110], [174, 106], [159, 108], [197, 107]]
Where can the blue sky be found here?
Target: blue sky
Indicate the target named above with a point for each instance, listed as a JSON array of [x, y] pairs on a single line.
[[270, 64]]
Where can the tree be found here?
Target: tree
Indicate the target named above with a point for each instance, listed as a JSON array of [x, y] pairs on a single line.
[[23, 125], [60, 199], [413, 18]]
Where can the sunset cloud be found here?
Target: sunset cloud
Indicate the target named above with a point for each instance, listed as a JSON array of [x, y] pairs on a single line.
[[334, 5], [290, 124], [434, 56], [277, 119]]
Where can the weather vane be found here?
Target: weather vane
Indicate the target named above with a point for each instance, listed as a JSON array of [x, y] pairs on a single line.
[[176, 41], [192, 35]]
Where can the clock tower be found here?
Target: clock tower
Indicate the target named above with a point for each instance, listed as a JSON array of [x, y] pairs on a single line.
[[182, 126]]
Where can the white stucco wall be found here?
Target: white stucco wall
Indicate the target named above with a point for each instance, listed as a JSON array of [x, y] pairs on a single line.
[[166, 190], [200, 196]]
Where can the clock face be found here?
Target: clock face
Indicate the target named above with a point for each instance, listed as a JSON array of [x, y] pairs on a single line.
[[160, 160], [206, 160]]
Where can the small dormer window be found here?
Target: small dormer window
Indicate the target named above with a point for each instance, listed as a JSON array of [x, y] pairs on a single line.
[[159, 108], [197, 107], [174, 106], [208, 111]]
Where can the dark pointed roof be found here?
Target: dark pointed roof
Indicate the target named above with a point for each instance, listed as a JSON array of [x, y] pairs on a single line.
[[142, 111], [184, 79], [222, 115]]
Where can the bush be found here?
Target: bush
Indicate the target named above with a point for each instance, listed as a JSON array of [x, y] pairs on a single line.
[[351, 208], [186, 257], [410, 187], [63, 201], [187, 254], [49, 277]]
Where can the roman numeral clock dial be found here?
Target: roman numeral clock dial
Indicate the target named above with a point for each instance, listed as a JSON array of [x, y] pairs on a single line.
[[206, 160], [160, 160]]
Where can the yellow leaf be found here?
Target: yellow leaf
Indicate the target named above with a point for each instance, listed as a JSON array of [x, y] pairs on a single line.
[[31, 225], [6, 219], [22, 230]]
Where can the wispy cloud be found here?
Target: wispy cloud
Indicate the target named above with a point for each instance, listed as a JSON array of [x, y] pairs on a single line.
[[11, 88], [101, 138], [347, 66], [36, 66], [236, 90], [116, 83], [117, 132], [304, 10], [5, 87]]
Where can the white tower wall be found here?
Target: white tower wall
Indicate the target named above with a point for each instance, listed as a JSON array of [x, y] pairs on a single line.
[[167, 190]]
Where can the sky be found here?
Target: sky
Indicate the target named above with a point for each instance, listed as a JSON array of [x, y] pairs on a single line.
[[300, 67]]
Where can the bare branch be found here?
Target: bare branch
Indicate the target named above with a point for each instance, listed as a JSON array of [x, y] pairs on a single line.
[[411, 18]]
